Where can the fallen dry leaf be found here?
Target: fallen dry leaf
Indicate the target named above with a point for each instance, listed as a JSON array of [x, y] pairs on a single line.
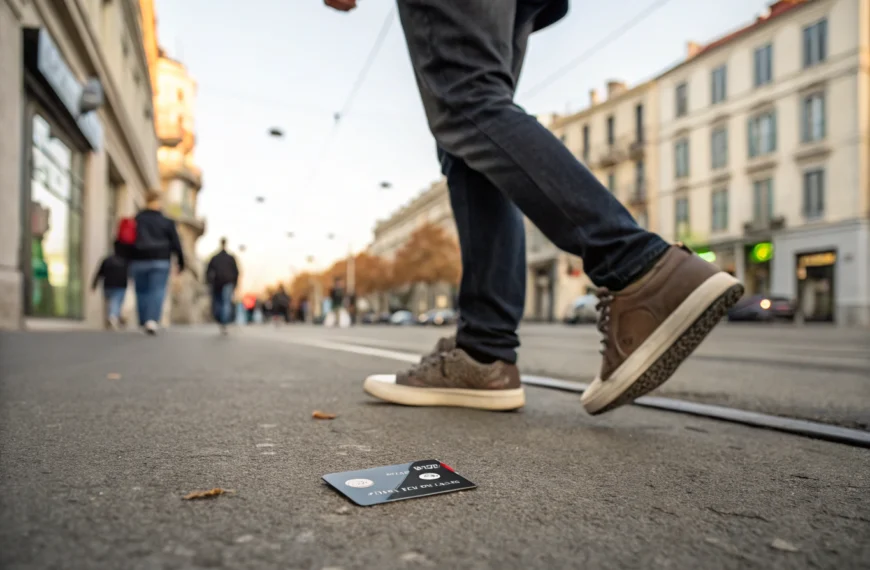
[[217, 491], [318, 415], [784, 545], [113, 376]]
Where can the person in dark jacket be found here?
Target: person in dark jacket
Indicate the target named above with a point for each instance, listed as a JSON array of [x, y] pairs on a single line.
[[280, 305], [222, 275], [114, 274], [150, 260]]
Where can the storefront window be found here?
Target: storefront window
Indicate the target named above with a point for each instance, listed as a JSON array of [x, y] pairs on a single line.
[[55, 226]]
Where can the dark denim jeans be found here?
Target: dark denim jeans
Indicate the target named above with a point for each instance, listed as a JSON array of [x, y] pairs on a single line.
[[222, 304], [150, 279], [500, 163]]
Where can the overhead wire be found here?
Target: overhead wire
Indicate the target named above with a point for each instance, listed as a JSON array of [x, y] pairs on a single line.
[[597, 47], [358, 83]]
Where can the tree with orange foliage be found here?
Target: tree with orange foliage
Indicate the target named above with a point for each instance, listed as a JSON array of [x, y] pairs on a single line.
[[429, 256], [301, 286], [372, 274]]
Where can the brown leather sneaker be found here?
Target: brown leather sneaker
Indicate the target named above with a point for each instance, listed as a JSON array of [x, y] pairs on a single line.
[[452, 378], [653, 325]]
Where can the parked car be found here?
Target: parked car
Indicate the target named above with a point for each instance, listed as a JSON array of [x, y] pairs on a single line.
[[437, 317], [764, 308], [373, 318], [402, 318], [582, 310]]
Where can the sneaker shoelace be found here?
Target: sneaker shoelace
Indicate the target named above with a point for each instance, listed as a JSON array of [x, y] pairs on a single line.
[[605, 299]]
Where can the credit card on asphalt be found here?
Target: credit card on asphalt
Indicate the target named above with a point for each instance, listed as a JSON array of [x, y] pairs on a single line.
[[391, 483]]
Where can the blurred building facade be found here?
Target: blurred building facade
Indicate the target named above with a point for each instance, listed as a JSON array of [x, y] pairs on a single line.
[[71, 163], [615, 138], [432, 206], [180, 177], [764, 155]]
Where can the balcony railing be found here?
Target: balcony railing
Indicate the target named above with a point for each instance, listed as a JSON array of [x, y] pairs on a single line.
[[637, 193], [181, 168], [612, 154], [637, 147], [764, 225]]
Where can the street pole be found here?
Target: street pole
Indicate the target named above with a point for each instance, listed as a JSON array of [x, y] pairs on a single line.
[[351, 270]]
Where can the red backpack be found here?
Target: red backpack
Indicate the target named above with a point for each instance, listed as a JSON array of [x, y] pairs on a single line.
[[127, 231]]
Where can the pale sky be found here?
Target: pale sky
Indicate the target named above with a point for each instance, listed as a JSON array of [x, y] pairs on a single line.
[[292, 63]]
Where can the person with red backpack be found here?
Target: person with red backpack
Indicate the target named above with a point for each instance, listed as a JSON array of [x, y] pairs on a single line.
[[149, 241]]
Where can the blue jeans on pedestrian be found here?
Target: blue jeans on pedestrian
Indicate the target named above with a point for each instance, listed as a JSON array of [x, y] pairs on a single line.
[[502, 163], [150, 278], [114, 300], [222, 304]]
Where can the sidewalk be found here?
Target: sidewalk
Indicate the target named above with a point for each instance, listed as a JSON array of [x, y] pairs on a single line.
[[94, 467]]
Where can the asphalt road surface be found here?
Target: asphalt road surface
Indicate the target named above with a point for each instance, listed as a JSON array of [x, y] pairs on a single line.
[[102, 434], [813, 372]]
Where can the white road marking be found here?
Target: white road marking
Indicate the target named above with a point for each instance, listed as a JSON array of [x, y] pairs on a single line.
[[265, 445], [365, 350], [394, 355]]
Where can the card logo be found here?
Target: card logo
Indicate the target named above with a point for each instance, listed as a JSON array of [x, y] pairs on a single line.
[[359, 483], [430, 476]]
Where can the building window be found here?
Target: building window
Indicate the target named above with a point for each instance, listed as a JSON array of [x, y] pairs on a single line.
[[56, 279], [815, 43], [638, 123], [719, 148], [682, 98], [611, 182], [720, 210], [180, 94], [681, 156], [813, 118], [611, 128], [643, 219], [681, 217], [763, 65], [640, 179], [814, 193], [585, 143], [719, 87], [762, 134], [762, 200]]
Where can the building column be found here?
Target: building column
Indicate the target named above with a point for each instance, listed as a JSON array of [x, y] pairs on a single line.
[[740, 262], [95, 232], [11, 106]]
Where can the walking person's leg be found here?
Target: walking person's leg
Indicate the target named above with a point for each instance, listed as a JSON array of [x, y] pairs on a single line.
[[158, 278], [657, 302], [139, 273], [114, 302], [217, 305], [226, 305]]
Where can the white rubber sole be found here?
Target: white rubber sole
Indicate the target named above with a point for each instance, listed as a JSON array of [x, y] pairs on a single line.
[[601, 394], [384, 387]]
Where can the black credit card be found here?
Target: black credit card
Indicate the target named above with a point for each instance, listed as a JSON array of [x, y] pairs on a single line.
[[378, 485]]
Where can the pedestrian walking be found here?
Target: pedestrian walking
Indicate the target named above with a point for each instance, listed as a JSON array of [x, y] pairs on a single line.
[[150, 260], [114, 274], [222, 276], [280, 305], [657, 301]]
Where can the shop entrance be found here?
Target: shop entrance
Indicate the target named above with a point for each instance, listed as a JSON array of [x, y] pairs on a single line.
[[815, 280], [55, 276]]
